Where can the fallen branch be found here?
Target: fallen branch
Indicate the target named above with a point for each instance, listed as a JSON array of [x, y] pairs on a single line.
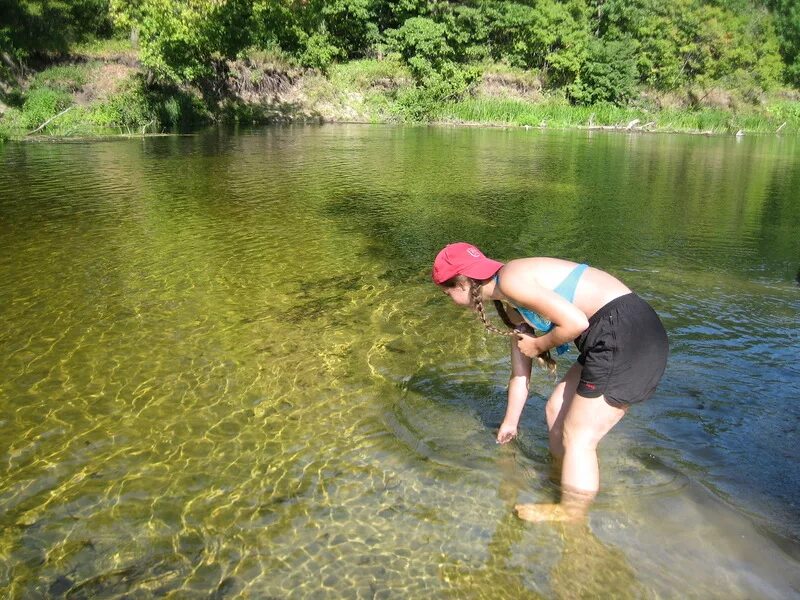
[[778, 130], [43, 125], [632, 124], [8, 61]]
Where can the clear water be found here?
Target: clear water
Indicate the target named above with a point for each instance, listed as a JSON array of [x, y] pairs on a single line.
[[224, 371]]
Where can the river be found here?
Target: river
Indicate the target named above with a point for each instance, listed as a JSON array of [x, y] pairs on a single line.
[[224, 371]]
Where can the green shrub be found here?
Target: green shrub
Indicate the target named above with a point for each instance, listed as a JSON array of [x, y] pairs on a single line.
[[550, 35], [139, 108], [42, 104], [351, 25], [183, 41], [609, 73], [319, 52], [65, 78], [426, 99], [785, 111], [421, 43], [130, 109]]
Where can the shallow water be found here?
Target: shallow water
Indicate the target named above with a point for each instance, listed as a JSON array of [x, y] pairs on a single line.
[[225, 371]]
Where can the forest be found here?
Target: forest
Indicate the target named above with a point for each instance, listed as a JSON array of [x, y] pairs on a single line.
[[583, 52]]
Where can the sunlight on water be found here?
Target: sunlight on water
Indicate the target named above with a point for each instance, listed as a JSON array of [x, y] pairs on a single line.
[[225, 371]]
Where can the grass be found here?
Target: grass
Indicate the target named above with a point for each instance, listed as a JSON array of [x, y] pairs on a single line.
[[367, 73], [559, 114], [553, 113], [105, 49], [65, 78]]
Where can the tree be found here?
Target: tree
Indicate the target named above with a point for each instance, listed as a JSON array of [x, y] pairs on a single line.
[[181, 40], [608, 74], [787, 24], [551, 36], [36, 27]]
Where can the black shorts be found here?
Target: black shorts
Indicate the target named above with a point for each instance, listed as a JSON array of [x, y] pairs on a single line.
[[623, 352]]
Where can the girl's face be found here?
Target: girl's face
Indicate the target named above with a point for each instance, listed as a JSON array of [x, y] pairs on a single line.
[[459, 293]]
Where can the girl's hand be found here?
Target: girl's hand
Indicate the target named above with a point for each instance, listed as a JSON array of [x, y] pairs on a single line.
[[506, 433], [528, 345]]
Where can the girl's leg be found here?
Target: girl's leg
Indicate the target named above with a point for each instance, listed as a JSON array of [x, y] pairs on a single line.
[[557, 407], [585, 422]]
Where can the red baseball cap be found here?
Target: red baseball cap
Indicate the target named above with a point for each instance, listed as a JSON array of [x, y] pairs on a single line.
[[462, 258]]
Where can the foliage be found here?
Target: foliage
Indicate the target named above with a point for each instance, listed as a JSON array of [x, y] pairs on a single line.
[[467, 31], [551, 36], [689, 41], [42, 104], [435, 88], [787, 24], [141, 107], [422, 45], [65, 78], [351, 24], [609, 74], [319, 52], [182, 41], [318, 32], [37, 27], [420, 42]]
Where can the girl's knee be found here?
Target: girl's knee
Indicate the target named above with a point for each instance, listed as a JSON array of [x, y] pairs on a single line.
[[551, 411], [579, 438]]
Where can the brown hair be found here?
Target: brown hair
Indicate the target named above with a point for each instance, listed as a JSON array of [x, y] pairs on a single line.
[[545, 360]]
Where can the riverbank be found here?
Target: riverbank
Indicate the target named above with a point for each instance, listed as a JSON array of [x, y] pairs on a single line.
[[103, 90]]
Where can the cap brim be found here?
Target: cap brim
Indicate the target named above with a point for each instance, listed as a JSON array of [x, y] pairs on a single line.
[[482, 269]]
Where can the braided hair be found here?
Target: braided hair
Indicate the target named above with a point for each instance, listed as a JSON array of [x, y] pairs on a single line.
[[545, 360]]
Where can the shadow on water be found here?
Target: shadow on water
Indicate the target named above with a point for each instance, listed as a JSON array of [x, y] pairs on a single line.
[[407, 237]]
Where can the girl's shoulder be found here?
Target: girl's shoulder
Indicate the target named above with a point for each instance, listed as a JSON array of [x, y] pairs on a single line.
[[520, 272], [534, 265]]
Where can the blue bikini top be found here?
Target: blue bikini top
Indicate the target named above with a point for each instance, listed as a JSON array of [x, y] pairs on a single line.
[[565, 289]]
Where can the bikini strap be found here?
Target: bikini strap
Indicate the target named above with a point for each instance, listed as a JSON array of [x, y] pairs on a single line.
[[566, 289]]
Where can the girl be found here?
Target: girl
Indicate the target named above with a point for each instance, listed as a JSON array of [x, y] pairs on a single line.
[[622, 343]]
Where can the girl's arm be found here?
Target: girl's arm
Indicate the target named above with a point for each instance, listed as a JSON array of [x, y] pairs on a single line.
[[517, 393]]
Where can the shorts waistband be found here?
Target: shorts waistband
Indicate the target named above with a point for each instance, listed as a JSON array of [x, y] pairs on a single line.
[[611, 306]]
